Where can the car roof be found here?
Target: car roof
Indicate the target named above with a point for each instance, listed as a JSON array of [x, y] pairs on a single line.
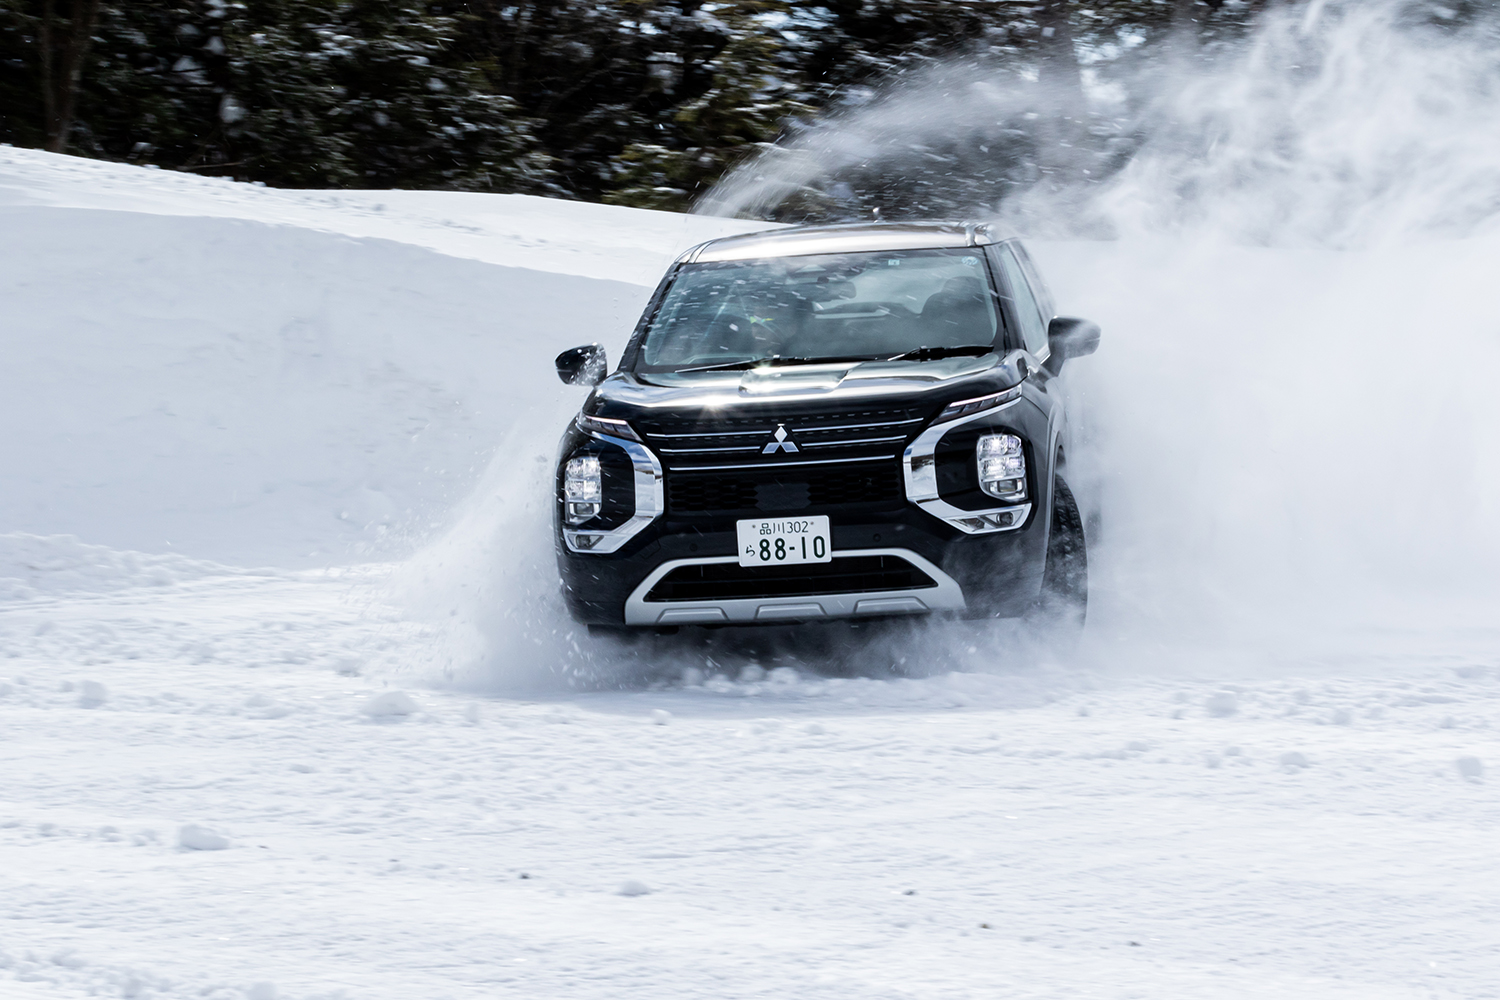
[[799, 241]]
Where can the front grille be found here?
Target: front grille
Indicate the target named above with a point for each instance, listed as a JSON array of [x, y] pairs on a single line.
[[784, 489], [847, 575], [817, 460], [813, 437]]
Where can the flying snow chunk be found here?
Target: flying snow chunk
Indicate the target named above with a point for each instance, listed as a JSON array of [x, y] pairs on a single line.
[[391, 704], [92, 694], [661, 716], [1222, 705], [633, 887], [1470, 768], [201, 838]]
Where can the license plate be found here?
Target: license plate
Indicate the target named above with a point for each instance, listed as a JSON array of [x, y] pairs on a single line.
[[780, 541]]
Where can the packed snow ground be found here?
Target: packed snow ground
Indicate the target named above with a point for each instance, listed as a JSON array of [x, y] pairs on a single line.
[[274, 575]]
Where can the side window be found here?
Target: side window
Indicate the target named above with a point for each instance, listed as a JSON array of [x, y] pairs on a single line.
[[1038, 286], [1033, 330]]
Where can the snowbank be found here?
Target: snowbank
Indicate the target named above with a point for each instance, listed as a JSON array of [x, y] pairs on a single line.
[[32, 565], [544, 234], [265, 394]]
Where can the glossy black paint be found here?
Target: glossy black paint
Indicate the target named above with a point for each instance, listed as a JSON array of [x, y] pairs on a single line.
[[1069, 337], [585, 365], [999, 573]]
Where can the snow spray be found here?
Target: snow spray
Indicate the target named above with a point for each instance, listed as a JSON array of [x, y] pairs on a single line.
[[1291, 445], [1291, 431]]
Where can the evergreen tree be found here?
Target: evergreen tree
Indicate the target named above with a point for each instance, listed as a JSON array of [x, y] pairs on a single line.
[[640, 102], [312, 93], [598, 76], [746, 104]]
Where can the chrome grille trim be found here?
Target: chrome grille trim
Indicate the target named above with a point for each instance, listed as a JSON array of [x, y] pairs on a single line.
[[753, 466], [919, 468], [716, 434], [711, 451], [834, 444], [650, 502]]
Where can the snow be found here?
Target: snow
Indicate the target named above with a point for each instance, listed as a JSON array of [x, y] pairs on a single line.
[[574, 238], [193, 837], [391, 705], [1261, 775]]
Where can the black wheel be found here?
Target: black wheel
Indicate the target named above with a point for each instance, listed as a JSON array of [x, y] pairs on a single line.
[[1063, 604]]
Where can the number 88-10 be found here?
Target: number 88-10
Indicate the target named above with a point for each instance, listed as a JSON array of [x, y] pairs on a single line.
[[778, 549]]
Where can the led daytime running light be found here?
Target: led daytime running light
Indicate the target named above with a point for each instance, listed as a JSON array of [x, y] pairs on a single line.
[[966, 407], [608, 426]]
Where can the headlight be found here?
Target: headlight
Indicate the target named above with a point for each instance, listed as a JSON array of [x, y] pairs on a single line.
[[1002, 466], [583, 489]]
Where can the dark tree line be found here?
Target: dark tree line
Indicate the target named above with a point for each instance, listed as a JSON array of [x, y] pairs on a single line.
[[639, 102]]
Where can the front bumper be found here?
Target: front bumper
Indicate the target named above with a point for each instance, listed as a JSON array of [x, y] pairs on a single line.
[[944, 594], [976, 560], [975, 575]]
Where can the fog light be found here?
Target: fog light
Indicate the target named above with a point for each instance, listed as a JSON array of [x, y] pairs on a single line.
[[1002, 466], [583, 489]]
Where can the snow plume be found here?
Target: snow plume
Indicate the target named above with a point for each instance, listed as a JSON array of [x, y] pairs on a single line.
[[488, 584], [1335, 124], [1342, 125], [1289, 429], [1288, 433], [486, 592]]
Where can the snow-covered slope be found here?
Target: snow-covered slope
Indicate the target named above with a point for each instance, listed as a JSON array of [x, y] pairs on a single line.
[[1264, 774], [260, 376], [599, 241]]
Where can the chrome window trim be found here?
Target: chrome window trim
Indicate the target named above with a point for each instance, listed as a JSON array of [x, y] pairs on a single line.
[[1005, 247], [797, 241], [919, 466], [650, 501], [946, 596]]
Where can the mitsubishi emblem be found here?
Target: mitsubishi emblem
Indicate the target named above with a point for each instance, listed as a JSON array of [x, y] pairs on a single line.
[[780, 442]]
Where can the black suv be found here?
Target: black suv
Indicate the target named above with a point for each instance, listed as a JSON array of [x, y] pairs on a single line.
[[830, 422]]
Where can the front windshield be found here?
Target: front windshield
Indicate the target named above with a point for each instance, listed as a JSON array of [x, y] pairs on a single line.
[[846, 306]]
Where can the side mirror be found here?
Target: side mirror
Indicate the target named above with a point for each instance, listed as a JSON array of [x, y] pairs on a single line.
[[1068, 337], [582, 365]]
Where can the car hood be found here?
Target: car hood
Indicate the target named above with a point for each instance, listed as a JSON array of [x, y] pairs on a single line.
[[841, 381]]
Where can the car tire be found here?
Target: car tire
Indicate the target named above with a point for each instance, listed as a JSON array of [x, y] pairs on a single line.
[[1062, 607]]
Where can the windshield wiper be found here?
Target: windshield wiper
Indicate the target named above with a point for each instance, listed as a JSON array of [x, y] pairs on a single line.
[[727, 366], [774, 361], [934, 353]]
